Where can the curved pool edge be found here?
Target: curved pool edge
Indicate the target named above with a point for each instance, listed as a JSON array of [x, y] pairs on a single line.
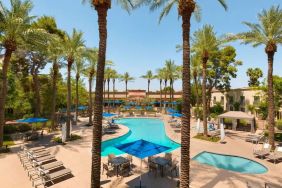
[[127, 130], [193, 158]]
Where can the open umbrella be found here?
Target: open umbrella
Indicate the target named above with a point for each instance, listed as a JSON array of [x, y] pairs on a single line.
[[108, 115], [142, 149], [32, 120], [176, 115]]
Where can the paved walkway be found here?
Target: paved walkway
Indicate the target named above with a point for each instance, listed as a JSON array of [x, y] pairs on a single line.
[[77, 156]]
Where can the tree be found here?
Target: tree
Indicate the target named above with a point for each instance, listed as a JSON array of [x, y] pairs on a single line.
[[73, 48], [15, 30], [160, 76], [114, 77], [149, 77], [78, 68], [102, 7], [185, 10], [267, 32], [205, 43], [108, 76], [126, 78], [90, 71], [172, 75], [254, 75], [196, 70]]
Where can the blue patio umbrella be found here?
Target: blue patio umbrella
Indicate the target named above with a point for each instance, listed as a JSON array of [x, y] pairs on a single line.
[[142, 149], [32, 120], [108, 115], [170, 110], [176, 115], [82, 108]]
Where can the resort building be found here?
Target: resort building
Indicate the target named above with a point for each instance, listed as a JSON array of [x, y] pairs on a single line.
[[240, 99]]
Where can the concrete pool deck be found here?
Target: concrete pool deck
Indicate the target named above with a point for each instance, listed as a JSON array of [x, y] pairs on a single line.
[[76, 155]]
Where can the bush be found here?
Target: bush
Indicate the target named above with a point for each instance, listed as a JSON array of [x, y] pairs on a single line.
[[73, 137], [279, 124], [24, 128], [277, 136], [198, 111], [227, 121], [243, 122], [10, 129], [217, 109]]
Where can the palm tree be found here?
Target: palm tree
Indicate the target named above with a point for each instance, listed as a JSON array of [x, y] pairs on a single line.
[[108, 76], [73, 48], [149, 76], [114, 77], [102, 7], [171, 71], [126, 78], [15, 30], [78, 68], [205, 43], [185, 10], [166, 78], [90, 71], [195, 72], [160, 76], [267, 32]]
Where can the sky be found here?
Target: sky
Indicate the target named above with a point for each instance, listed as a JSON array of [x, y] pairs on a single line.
[[138, 43]]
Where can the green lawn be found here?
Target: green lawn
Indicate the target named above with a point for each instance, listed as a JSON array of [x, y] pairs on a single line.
[[209, 138], [8, 141]]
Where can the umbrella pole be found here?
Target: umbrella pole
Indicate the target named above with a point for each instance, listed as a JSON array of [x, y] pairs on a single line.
[[140, 173]]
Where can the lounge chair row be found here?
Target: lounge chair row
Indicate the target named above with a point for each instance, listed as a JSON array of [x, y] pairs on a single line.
[[265, 152], [41, 166]]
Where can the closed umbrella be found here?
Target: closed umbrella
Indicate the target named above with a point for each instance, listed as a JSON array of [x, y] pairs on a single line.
[[142, 149], [222, 133]]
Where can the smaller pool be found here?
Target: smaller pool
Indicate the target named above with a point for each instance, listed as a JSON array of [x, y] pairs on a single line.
[[232, 163]]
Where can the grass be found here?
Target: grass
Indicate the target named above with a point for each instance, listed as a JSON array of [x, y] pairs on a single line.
[[73, 137], [209, 138], [8, 140]]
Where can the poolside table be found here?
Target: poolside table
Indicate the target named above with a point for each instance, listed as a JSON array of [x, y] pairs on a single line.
[[118, 161], [161, 162]]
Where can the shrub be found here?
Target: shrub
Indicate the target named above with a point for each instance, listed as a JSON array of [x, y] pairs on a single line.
[[73, 137], [217, 109], [10, 129], [227, 121], [24, 128], [198, 111], [243, 122], [279, 124], [209, 138], [277, 136]]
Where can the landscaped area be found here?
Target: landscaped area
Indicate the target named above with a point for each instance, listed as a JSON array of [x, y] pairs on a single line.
[[130, 103]]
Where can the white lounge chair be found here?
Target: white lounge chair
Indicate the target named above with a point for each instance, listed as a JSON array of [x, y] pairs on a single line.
[[262, 152], [276, 155]]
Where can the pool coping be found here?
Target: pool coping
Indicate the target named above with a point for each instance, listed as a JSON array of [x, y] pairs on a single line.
[[230, 156]]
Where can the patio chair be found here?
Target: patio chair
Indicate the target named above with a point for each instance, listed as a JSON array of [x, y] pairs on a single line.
[[271, 185], [46, 178], [153, 168], [168, 156], [125, 169], [109, 170], [255, 139], [108, 131], [214, 133], [262, 152], [110, 158], [173, 168], [276, 155], [129, 157], [50, 166]]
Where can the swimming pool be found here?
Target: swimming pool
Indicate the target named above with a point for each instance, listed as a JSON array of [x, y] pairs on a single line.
[[232, 163], [151, 130]]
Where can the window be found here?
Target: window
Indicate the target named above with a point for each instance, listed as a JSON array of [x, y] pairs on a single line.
[[214, 100], [243, 109], [256, 100], [242, 100], [231, 100], [222, 100]]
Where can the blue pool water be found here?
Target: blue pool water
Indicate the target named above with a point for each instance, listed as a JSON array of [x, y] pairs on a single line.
[[233, 163], [151, 130]]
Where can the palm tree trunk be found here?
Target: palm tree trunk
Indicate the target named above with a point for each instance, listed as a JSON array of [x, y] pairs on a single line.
[[34, 72], [170, 92], [148, 95], [204, 97], [70, 61], [54, 96], [105, 89], [90, 100], [3, 91], [161, 93], [108, 95], [185, 10], [165, 92], [271, 122], [114, 92], [197, 90], [98, 108], [77, 98], [126, 90]]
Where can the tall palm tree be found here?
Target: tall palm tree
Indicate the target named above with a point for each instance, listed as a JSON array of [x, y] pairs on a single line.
[[149, 77], [126, 78], [114, 77], [15, 30], [160, 76], [78, 68], [195, 72], [166, 78], [102, 7], [185, 10], [73, 48], [267, 32], [171, 71], [90, 71], [205, 43], [108, 76]]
